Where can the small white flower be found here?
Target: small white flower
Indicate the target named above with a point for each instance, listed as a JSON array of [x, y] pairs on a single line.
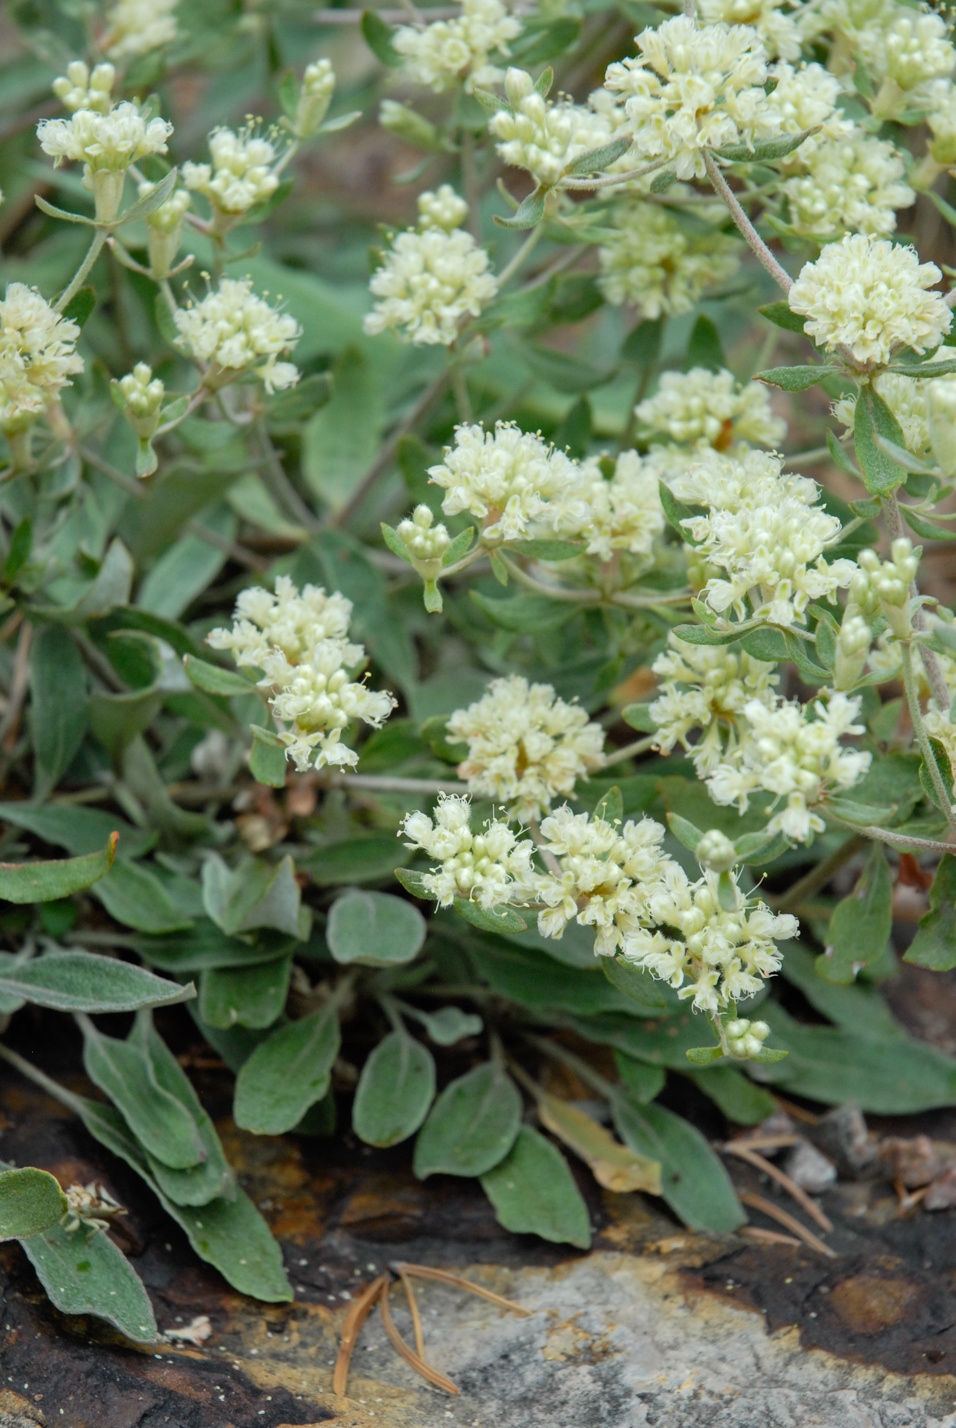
[[871, 296], [704, 406], [770, 18], [511, 480], [544, 136], [620, 513], [446, 52], [233, 330], [848, 182], [300, 643], [490, 867], [526, 747], [656, 265], [428, 282], [441, 209], [37, 355], [135, 27], [704, 690], [241, 173], [81, 89]]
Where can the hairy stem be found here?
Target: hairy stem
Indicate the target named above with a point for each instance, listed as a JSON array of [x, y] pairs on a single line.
[[639, 746], [753, 239], [76, 282]]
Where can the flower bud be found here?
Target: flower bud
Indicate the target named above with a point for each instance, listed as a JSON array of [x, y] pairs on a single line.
[[426, 544], [442, 209], [853, 646], [140, 395], [315, 96], [406, 124], [164, 227], [518, 85], [716, 851]]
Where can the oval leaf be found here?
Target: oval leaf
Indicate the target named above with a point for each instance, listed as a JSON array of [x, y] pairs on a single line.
[[395, 1090], [30, 1201], [86, 1274], [374, 929], [287, 1074], [533, 1192], [60, 877], [472, 1125], [613, 1165], [80, 982], [161, 1124]]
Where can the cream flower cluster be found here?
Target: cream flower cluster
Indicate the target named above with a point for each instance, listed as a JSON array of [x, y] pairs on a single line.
[[511, 481], [903, 48], [526, 747], [704, 407], [81, 89], [723, 955], [441, 54], [110, 141], [906, 398], [544, 137], [704, 691], [795, 754], [232, 330], [696, 88], [623, 512], [141, 395], [490, 867], [656, 265], [135, 27], [941, 121], [764, 530], [773, 20], [432, 277], [848, 182], [301, 643], [37, 355], [241, 173], [870, 296]]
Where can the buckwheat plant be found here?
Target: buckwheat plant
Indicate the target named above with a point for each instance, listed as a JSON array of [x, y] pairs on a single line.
[[489, 571]]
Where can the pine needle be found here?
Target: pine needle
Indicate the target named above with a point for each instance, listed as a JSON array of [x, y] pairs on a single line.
[[792, 1188], [767, 1207], [411, 1358], [356, 1318], [444, 1276]]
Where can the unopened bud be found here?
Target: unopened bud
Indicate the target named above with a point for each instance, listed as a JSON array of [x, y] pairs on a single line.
[[426, 543], [140, 395], [853, 646], [164, 228], [716, 851], [518, 85], [441, 209], [315, 96], [406, 124]]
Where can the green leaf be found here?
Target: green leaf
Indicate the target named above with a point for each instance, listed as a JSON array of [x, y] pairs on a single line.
[[597, 159], [840, 456], [205, 945], [161, 1124], [684, 831], [58, 710], [490, 919], [374, 929], [378, 35], [341, 440], [287, 1073], [610, 808], [861, 923], [78, 830], [529, 975], [86, 1273], [860, 814], [247, 996], [212, 1177], [213, 679], [448, 1025], [881, 474], [30, 1201], [80, 982], [395, 1090], [639, 717], [413, 882], [693, 1181], [928, 530], [254, 894], [544, 40], [230, 1235], [266, 760], [472, 1126], [642, 1083], [767, 150], [935, 942], [62, 213], [434, 737], [149, 203], [546, 549], [795, 379], [740, 1100], [704, 348], [460, 546], [135, 897], [529, 212], [57, 878], [781, 315], [534, 1192], [638, 986], [352, 860], [524, 614]]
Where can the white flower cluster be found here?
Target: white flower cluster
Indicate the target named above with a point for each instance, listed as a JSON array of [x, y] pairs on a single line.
[[431, 277], [135, 27], [658, 266], [544, 137], [490, 867], [848, 182], [697, 88], [110, 141], [241, 173], [707, 408], [793, 752], [623, 511], [81, 89], [764, 530], [907, 399], [445, 52], [232, 330], [704, 691], [903, 48], [775, 23], [870, 296], [141, 395], [301, 643], [37, 355], [511, 481], [526, 747]]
